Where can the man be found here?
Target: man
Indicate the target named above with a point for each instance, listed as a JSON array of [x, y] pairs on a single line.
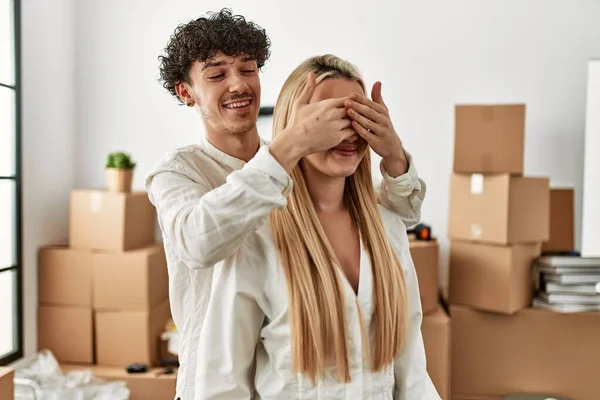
[[209, 196]]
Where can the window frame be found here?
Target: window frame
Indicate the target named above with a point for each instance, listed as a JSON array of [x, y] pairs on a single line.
[[17, 178]]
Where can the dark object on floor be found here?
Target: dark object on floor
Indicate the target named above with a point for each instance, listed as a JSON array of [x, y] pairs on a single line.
[[573, 253], [534, 397], [137, 368], [169, 362], [421, 232]]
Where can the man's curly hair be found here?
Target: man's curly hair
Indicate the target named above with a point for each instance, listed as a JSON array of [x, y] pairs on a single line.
[[202, 38]]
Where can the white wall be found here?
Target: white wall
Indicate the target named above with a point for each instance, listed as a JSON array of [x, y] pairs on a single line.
[[429, 56], [48, 137]]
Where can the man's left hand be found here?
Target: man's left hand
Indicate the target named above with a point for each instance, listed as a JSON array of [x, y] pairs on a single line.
[[371, 120]]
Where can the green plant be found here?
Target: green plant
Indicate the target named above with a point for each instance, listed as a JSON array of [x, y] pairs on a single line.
[[119, 160]]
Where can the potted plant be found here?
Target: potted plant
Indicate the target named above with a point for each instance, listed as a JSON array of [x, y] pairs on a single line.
[[119, 172]]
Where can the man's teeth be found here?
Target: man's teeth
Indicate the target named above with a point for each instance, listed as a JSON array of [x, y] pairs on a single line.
[[238, 104]]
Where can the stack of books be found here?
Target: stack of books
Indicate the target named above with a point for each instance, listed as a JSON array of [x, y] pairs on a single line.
[[567, 284]]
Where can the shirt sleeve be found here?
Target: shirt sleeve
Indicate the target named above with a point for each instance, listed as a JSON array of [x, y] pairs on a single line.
[[234, 319], [403, 194], [206, 225], [412, 381]]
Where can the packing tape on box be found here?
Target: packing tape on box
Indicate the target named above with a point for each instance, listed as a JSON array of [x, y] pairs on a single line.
[[96, 201], [476, 231], [476, 184]]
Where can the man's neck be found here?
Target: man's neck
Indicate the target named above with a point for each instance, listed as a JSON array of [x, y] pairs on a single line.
[[243, 146], [326, 193]]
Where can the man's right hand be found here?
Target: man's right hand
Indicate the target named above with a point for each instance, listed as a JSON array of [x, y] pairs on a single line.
[[314, 127]]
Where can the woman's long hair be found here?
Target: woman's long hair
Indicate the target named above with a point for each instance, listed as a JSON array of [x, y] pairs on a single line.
[[315, 291]]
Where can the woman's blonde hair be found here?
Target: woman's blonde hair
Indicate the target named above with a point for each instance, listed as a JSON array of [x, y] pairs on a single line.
[[314, 288]]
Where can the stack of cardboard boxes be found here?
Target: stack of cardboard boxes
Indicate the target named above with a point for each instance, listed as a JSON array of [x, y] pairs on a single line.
[[499, 220], [436, 327], [103, 298]]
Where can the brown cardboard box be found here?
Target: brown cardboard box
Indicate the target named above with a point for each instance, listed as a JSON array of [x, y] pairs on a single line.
[[67, 332], [425, 257], [532, 351], [489, 139], [499, 209], [7, 385], [135, 280], [492, 278], [65, 276], [102, 220], [562, 223], [125, 337], [151, 385], [436, 330]]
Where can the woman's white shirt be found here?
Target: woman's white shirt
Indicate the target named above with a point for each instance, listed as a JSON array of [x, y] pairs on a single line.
[[244, 350]]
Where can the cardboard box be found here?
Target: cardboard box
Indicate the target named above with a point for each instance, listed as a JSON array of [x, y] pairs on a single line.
[[489, 139], [125, 337], [562, 221], [151, 385], [499, 209], [102, 220], [436, 330], [7, 385], [532, 351], [65, 276], [67, 332], [135, 280], [425, 257], [492, 278]]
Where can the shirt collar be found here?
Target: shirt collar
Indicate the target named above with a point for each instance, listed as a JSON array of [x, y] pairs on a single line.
[[222, 157]]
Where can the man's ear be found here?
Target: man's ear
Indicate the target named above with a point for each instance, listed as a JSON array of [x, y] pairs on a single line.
[[184, 91]]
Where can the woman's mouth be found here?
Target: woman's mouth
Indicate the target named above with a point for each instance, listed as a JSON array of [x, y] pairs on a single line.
[[348, 150]]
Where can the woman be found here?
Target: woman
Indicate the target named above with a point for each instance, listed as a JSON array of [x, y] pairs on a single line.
[[323, 302]]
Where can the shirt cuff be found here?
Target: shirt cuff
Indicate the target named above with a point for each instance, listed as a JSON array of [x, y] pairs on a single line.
[[264, 162], [404, 184]]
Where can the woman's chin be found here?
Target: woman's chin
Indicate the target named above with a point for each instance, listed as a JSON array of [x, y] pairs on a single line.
[[342, 171]]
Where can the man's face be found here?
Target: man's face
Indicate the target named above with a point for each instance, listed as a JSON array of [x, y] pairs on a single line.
[[227, 92]]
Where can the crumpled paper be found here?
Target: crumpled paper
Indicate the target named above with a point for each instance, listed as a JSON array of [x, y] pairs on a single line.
[[41, 378]]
